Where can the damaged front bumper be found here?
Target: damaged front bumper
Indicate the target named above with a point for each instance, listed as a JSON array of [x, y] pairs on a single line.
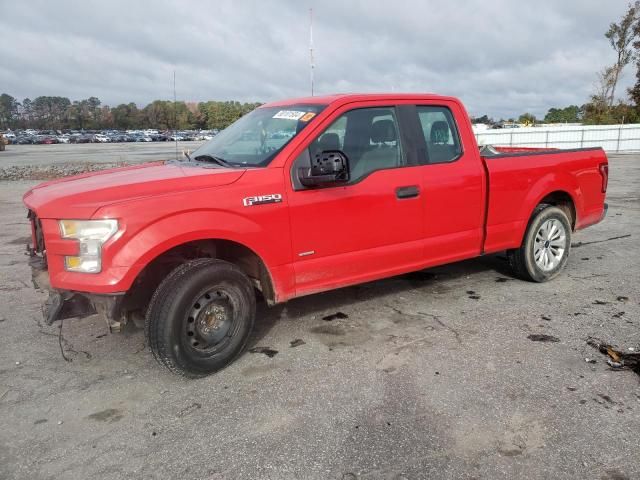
[[63, 304]]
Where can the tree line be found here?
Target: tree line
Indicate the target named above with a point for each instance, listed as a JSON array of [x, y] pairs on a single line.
[[60, 113]]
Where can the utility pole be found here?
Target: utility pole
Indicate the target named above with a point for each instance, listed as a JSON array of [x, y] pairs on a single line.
[[312, 65], [175, 114]]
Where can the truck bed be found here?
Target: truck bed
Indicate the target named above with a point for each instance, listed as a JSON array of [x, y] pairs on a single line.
[[520, 178]]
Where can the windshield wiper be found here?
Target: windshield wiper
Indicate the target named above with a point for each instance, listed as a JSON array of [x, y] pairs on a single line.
[[220, 161]]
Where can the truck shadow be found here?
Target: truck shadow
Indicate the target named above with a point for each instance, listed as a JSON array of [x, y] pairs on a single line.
[[433, 280]]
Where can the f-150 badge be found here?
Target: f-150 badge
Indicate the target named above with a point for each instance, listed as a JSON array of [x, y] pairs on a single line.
[[262, 199]]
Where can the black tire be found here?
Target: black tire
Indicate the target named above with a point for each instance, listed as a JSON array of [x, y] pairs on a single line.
[[200, 317], [523, 259]]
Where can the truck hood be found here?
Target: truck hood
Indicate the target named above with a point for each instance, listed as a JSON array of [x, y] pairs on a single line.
[[80, 196]]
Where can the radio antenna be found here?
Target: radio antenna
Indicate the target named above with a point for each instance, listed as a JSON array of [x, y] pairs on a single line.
[[175, 114], [311, 64]]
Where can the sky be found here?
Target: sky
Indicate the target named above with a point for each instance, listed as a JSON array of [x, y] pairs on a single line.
[[501, 57]]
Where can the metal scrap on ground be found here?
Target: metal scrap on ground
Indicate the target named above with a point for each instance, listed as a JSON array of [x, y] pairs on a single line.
[[617, 358]]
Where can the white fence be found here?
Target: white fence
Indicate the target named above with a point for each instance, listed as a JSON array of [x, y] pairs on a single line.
[[612, 138]]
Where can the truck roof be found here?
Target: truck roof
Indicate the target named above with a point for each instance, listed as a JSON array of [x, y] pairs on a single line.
[[359, 97]]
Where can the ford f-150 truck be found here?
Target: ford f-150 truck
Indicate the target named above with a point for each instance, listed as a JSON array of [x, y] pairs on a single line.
[[298, 197]]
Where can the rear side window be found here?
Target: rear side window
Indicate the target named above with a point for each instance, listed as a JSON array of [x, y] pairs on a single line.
[[440, 134]]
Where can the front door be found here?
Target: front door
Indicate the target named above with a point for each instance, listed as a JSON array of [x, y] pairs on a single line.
[[368, 228]]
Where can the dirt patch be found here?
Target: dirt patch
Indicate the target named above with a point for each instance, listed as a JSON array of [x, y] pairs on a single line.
[[110, 415]]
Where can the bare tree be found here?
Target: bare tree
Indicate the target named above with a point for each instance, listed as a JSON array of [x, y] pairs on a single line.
[[621, 36]]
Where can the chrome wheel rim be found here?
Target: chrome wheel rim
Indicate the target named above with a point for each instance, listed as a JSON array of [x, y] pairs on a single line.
[[550, 244]]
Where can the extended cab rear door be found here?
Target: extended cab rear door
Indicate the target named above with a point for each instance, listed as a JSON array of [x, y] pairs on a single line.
[[370, 227], [453, 182]]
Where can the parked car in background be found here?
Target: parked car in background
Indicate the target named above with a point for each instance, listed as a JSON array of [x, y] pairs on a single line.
[[25, 140], [47, 139], [100, 138]]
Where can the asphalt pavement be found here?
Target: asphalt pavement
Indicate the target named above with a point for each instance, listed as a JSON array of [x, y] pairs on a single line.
[[427, 375]]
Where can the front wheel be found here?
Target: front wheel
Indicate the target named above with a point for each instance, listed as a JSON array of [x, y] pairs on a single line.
[[200, 317], [545, 247]]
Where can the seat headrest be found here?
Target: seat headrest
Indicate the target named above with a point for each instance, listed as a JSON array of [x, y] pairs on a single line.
[[383, 131], [329, 141], [439, 132]]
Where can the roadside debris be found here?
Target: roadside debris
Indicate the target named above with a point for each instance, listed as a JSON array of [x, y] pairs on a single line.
[[296, 343], [189, 409], [622, 298], [268, 351], [333, 316], [617, 358], [541, 337]]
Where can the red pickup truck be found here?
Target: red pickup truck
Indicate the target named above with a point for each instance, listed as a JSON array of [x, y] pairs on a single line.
[[298, 197]]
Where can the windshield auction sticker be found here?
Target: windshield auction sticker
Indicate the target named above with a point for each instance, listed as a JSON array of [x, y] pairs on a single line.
[[307, 116], [289, 114]]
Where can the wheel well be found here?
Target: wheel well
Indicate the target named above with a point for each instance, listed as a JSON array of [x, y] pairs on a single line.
[[563, 201], [138, 296]]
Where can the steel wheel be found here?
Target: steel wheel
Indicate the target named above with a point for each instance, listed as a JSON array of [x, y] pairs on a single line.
[[211, 321], [550, 244]]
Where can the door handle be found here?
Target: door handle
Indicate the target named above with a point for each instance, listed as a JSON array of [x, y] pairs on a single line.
[[410, 191]]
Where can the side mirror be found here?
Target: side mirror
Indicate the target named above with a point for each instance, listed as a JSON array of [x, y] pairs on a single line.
[[329, 167]]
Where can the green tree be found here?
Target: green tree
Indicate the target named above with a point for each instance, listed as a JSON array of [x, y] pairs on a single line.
[[126, 116], [8, 111], [527, 119], [570, 114], [50, 112], [483, 119], [621, 36]]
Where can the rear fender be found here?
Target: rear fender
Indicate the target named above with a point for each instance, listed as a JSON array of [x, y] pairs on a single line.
[[549, 183]]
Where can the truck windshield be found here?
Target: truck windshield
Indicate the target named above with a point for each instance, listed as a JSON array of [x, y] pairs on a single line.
[[255, 139]]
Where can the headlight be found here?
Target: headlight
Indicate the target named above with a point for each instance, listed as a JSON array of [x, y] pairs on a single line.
[[91, 235]]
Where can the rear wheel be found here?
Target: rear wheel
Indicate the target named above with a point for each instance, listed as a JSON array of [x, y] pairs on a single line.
[[200, 317], [545, 247]]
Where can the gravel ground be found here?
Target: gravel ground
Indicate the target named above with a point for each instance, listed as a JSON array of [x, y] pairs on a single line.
[[38, 162], [428, 375]]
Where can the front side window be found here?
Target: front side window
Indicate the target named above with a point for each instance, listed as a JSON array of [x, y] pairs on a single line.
[[367, 136], [255, 139], [440, 134]]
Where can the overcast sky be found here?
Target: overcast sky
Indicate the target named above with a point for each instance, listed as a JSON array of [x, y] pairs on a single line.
[[502, 57]]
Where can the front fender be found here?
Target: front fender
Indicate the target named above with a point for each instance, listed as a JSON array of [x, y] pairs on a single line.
[[135, 248], [171, 231]]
